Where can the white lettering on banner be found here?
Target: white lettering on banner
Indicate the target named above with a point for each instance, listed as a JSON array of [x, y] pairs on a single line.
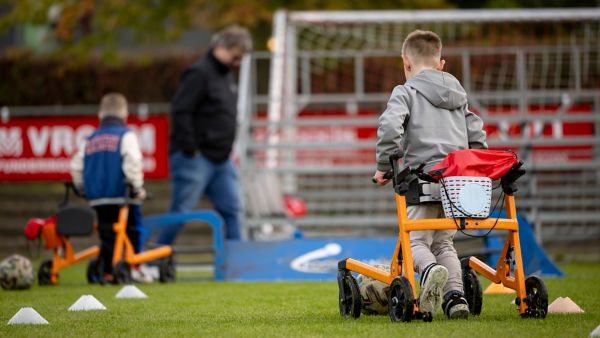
[[38, 140], [60, 138], [146, 134], [81, 134], [34, 166], [62, 141], [532, 129], [51, 165], [11, 143], [557, 129]]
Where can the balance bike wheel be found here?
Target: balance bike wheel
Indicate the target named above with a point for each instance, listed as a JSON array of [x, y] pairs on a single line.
[[45, 273], [472, 287], [122, 273], [401, 301], [536, 298], [350, 300], [95, 271], [166, 269]]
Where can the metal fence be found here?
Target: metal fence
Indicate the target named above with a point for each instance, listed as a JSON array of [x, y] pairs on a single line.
[[311, 125]]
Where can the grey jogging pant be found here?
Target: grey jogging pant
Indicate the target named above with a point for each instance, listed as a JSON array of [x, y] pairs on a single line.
[[435, 246]]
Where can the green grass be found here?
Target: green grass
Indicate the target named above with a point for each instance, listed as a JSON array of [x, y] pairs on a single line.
[[279, 309]]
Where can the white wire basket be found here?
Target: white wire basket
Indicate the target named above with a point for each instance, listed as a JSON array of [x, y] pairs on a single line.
[[466, 196]]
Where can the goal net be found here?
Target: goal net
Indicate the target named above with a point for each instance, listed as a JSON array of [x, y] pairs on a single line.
[[533, 76]]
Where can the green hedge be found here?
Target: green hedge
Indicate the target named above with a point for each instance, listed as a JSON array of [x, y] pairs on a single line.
[[26, 79]]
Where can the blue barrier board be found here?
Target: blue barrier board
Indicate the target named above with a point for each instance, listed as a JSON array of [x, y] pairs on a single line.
[[301, 259]]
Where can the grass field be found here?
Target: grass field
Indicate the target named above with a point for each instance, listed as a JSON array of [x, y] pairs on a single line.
[[278, 309]]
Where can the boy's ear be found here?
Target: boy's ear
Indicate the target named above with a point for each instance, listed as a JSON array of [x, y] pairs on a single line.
[[441, 65], [407, 63]]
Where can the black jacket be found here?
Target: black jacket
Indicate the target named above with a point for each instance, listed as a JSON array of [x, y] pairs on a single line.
[[203, 110]]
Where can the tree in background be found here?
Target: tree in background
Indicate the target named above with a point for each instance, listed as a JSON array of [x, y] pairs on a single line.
[[87, 26], [77, 44]]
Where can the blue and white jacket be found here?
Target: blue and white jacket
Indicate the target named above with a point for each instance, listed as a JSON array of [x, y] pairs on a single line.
[[109, 159]]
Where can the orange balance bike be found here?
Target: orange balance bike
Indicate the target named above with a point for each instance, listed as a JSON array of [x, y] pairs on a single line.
[[124, 255], [55, 231], [532, 295]]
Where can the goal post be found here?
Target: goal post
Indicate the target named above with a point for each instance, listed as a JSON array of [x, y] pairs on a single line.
[[532, 74], [507, 60]]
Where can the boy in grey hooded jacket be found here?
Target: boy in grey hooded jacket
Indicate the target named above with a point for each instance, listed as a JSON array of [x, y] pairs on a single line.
[[426, 119]]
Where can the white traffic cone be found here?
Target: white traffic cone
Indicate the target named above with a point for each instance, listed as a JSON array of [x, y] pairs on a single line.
[[86, 303], [27, 315], [564, 305], [130, 291]]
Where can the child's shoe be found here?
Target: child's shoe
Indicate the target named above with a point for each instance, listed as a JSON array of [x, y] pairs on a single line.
[[455, 305], [138, 275], [433, 280], [107, 278]]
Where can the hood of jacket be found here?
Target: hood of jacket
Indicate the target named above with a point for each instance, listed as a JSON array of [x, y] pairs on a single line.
[[441, 89]]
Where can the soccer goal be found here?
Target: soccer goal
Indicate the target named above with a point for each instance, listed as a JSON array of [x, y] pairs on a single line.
[[532, 75]]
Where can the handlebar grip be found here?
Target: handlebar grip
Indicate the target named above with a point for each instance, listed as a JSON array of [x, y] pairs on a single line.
[[388, 175]]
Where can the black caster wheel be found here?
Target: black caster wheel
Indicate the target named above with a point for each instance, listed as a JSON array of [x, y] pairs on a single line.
[[427, 317], [167, 269], [350, 300], [95, 271], [45, 273], [401, 300], [536, 298], [472, 288], [122, 273]]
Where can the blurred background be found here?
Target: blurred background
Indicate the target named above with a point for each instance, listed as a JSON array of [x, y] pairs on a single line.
[[310, 96]]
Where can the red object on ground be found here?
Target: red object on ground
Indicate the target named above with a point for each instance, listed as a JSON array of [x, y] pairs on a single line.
[[34, 228], [475, 162], [296, 207]]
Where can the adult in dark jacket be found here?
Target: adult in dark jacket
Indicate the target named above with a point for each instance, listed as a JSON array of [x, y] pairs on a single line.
[[203, 126]]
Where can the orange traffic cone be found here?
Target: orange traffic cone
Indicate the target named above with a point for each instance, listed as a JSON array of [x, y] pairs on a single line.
[[497, 289]]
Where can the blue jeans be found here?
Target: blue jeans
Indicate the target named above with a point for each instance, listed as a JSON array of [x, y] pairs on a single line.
[[191, 178]]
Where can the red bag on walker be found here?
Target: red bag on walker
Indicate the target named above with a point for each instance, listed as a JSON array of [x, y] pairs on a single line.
[[475, 162]]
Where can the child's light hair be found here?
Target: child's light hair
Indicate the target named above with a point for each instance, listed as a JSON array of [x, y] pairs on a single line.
[[423, 47], [113, 104]]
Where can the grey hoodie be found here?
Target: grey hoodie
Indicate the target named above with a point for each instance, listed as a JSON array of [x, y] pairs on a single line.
[[427, 118]]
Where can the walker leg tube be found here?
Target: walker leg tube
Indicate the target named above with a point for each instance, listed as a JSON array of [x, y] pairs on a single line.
[[87, 253], [151, 255], [367, 270], [408, 270], [519, 274]]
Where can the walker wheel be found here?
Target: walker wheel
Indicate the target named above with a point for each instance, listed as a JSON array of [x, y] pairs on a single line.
[[536, 298], [350, 300], [45, 273], [472, 287], [122, 273], [401, 301], [427, 317], [95, 271], [167, 269]]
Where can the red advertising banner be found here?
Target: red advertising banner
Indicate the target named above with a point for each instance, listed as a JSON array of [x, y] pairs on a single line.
[[40, 148], [505, 132]]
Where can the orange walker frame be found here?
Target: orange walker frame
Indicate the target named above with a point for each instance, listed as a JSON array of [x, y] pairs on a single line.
[[401, 274], [124, 254], [63, 256], [70, 220]]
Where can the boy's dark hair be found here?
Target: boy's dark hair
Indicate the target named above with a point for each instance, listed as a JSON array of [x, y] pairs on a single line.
[[423, 47]]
